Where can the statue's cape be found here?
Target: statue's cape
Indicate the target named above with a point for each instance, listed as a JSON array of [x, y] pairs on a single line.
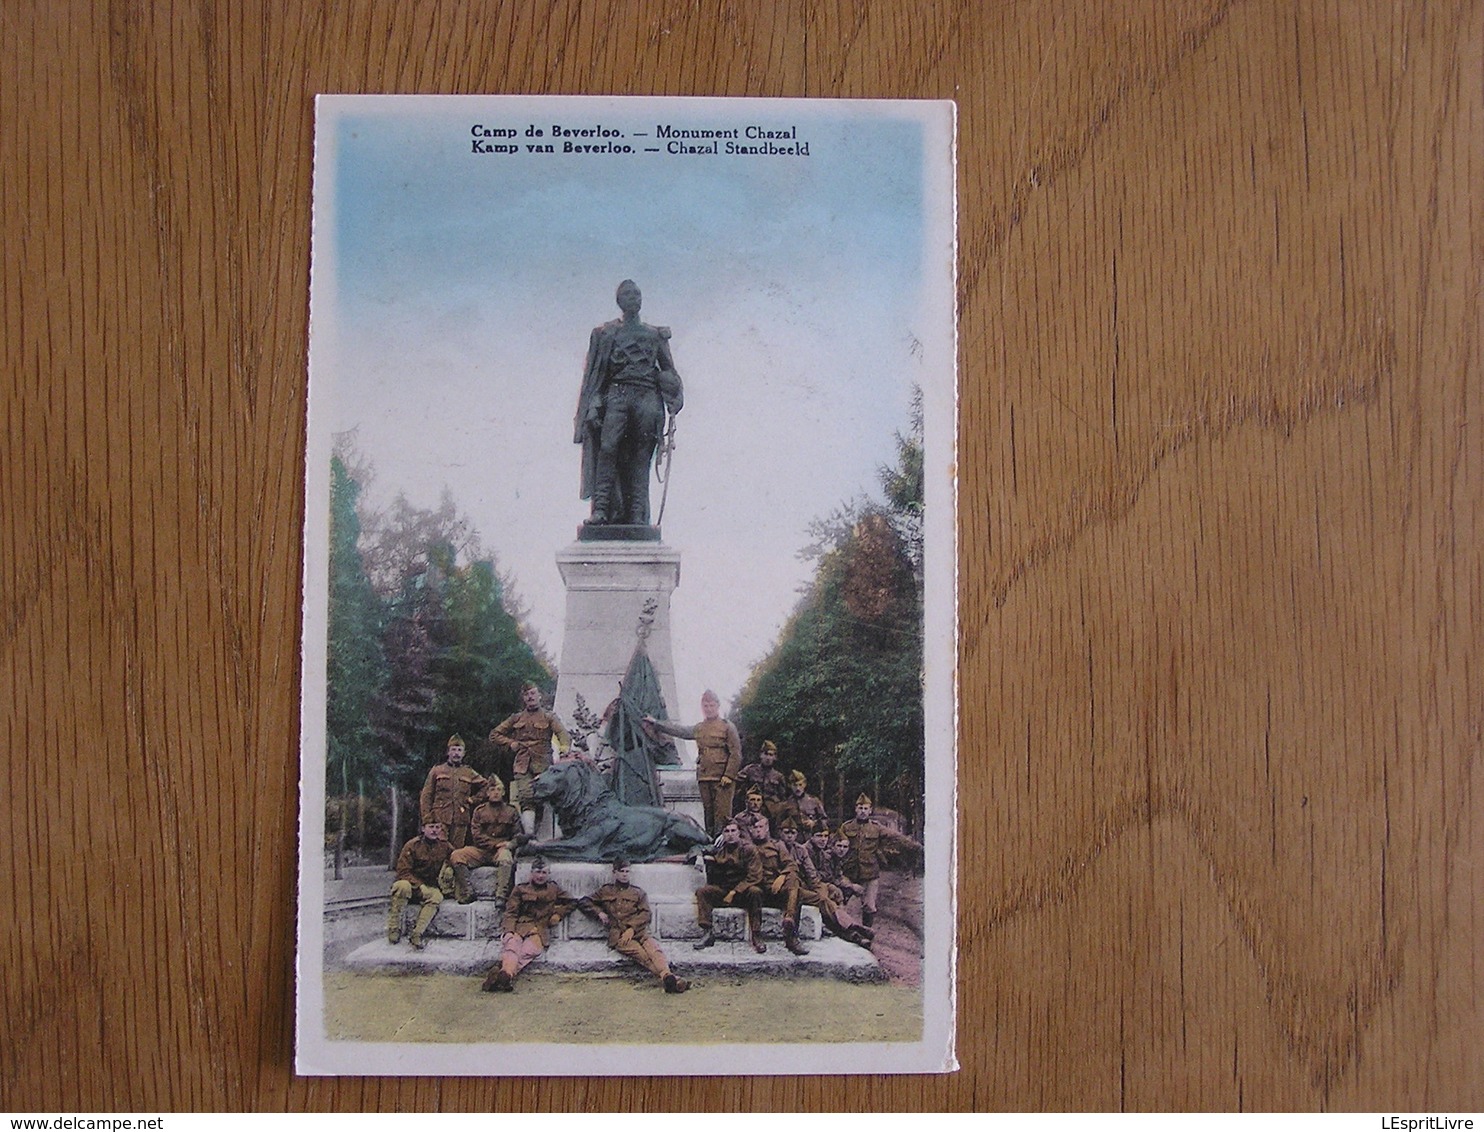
[[635, 781]]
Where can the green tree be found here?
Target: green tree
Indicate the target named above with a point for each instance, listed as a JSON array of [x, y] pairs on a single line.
[[355, 667], [841, 692]]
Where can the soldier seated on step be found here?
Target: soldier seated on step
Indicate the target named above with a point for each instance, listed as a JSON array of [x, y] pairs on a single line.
[[418, 866], [780, 883], [734, 880], [623, 908], [533, 910], [816, 891], [495, 832]]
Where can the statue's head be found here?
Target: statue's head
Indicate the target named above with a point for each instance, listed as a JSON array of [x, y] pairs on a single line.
[[629, 297]]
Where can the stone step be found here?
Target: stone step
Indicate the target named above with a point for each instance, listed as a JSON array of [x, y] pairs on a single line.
[[672, 920], [831, 957]]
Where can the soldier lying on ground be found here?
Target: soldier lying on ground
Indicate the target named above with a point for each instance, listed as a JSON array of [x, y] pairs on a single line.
[[418, 867], [623, 908]]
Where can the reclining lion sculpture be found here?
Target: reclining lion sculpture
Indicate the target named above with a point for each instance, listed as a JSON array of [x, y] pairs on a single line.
[[598, 827]]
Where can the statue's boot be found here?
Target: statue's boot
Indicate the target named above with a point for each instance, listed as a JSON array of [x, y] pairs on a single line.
[[425, 916], [461, 891], [791, 938], [394, 918]]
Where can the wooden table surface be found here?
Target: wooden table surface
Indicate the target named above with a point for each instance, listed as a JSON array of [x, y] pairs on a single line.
[[1220, 460]]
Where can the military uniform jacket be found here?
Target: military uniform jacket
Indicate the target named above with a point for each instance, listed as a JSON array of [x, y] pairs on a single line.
[[769, 781], [422, 860], [492, 825], [532, 908], [735, 868], [529, 735], [718, 747], [868, 843], [747, 823], [807, 812], [775, 860], [625, 905], [804, 862], [831, 869], [446, 794]]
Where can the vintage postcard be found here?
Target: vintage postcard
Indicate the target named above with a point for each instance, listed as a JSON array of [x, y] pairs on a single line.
[[629, 588]]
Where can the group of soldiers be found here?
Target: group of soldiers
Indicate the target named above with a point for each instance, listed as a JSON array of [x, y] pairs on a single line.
[[467, 824]]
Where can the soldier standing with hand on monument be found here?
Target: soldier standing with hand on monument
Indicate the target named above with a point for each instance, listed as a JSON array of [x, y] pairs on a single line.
[[718, 758]]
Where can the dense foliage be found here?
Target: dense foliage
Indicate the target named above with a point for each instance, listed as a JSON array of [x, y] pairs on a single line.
[[425, 640], [841, 692]]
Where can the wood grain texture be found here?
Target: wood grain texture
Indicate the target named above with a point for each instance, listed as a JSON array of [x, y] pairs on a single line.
[[1223, 574]]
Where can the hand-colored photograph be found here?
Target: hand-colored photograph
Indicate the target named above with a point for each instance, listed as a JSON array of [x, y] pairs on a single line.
[[628, 732]]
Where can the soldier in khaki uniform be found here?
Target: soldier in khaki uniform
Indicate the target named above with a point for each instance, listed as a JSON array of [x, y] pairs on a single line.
[[869, 843], [804, 808], [492, 830], [734, 877], [752, 816], [623, 908], [815, 890], [528, 735], [447, 796], [765, 776], [532, 910], [780, 883], [718, 758], [418, 866]]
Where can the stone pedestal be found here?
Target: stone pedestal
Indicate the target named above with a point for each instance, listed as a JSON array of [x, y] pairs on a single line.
[[609, 585]]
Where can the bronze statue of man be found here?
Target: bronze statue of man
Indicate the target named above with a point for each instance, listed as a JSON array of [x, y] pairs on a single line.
[[627, 387]]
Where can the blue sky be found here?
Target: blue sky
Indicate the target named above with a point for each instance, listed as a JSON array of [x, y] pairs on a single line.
[[455, 293]]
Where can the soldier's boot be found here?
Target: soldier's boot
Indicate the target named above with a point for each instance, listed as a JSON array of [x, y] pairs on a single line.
[[394, 918], [859, 937], [707, 940], [503, 876], [791, 938], [674, 984], [425, 916], [461, 891], [867, 934], [755, 931], [445, 880], [498, 979], [868, 917]]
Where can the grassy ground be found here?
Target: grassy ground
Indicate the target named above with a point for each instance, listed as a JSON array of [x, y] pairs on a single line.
[[550, 1007], [596, 1009]]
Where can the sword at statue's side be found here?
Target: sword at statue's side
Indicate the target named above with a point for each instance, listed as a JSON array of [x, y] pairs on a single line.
[[667, 454]]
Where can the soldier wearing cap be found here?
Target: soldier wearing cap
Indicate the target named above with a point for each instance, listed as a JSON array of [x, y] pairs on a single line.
[[734, 877], [806, 810], [447, 795], [623, 908], [780, 883], [532, 910], [765, 776], [494, 834], [718, 758], [814, 890], [751, 815], [869, 843], [418, 867], [527, 736]]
